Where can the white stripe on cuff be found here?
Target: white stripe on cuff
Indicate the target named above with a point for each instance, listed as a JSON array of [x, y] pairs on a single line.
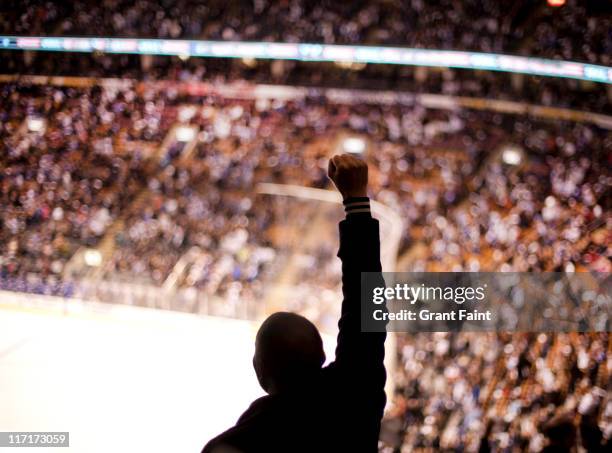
[[354, 211]]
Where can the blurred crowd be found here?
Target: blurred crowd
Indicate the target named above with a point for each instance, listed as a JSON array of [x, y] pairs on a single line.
[[486, 392], [548, 214], [71, 161], [75, 159], [577, 30]]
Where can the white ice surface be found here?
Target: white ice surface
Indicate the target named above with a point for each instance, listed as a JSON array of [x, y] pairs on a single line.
[[165, 382]]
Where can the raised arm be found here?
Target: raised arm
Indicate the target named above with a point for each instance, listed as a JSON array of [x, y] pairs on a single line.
[[359, 355]]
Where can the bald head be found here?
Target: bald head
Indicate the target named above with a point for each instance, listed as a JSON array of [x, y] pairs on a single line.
[[288, 350]]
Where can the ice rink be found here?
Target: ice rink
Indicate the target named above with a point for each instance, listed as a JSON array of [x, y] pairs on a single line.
[[123, 379]]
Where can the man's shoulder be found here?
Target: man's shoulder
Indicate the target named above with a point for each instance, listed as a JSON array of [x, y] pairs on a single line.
[[272, 422], [259, 407], [224, 441]]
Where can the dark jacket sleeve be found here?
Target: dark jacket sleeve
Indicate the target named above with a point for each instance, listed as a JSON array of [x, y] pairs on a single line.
[[360, 355]]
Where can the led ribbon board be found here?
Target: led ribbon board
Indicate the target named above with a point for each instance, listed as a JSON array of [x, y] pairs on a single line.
[[315, 52]]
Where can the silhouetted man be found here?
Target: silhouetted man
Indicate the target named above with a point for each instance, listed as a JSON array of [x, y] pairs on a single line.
[[310, 408]]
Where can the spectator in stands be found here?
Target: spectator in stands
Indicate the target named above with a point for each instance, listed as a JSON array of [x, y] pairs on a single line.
[[561, 435], [309, 408]]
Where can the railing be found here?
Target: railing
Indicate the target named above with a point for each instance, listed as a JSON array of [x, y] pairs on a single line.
[[189, 300]]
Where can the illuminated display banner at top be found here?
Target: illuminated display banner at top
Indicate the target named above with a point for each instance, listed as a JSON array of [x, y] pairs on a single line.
[[315, 52]]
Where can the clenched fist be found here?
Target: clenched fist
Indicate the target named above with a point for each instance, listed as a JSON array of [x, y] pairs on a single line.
[[349, 174]]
